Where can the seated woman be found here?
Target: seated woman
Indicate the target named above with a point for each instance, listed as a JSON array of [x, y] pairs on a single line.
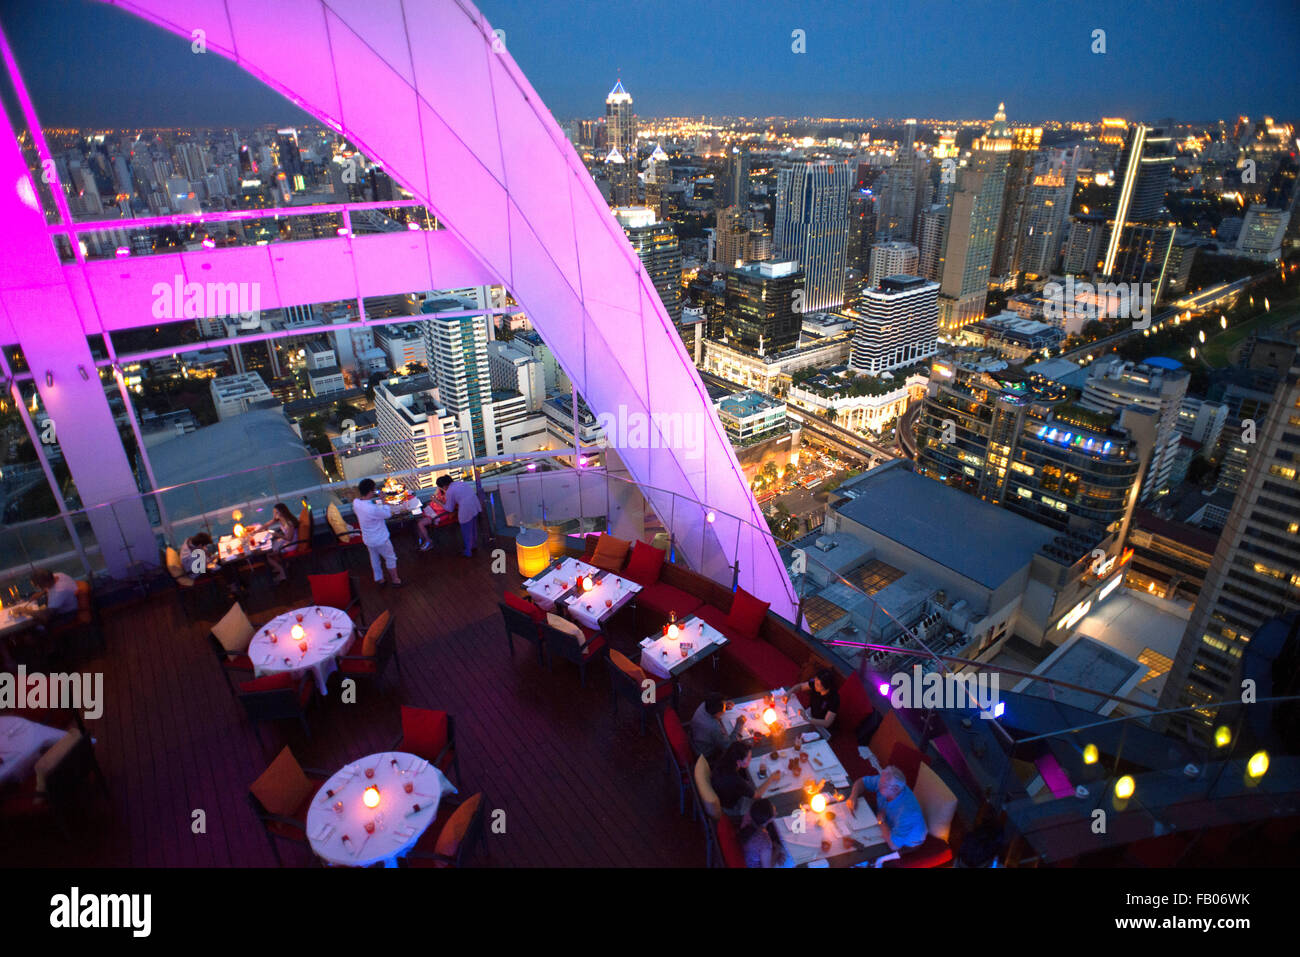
[[195, 543], [823, 699], [435, 513], [758, 840], [731, 780], [284, 532]]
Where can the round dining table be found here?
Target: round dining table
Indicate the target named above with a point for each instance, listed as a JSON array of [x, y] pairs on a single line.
[[340, 814], [326, 633]]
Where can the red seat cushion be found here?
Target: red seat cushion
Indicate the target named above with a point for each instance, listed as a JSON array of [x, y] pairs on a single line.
[[908, 760], [354, 666], [747, 613], [424, 732], [595, 642], [334, 591], [677, 740], [645, 564], [854, 704], [268, 683], [526, 606], [238, 663], [844, 742], [733, 855], [933, 853], [662, 599], [769, 666]]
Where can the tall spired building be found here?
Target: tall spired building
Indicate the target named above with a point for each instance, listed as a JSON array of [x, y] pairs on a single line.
[[812, 227], [974, 211], [620, 137]]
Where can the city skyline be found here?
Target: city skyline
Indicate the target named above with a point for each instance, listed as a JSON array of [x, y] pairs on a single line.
[[82, 63]]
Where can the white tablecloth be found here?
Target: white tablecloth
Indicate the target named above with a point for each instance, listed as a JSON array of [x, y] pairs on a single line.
[[694, 631], [255, 544], [822, 764], [21, 744], [788, 715], [12, 622], [322, 627], [398, 826], [546, 588], [834, 825], [589, 608]]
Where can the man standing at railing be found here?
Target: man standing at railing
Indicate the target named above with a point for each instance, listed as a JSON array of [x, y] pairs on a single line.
[[463, 500], [373, 515]]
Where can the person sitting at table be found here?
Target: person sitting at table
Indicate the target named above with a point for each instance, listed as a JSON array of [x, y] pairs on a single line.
[[195, 543], [823, 699], [373, 515], [730, 775], [902, 822], [284, 530], [461, 498], [708, 734], [60, 594], [758, 838], [435, 513]]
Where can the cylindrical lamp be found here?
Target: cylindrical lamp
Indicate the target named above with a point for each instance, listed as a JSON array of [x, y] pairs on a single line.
[[531, 551]]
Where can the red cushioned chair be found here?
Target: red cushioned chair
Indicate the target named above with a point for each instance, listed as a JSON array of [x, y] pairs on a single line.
[[625, 686], [855, 707], [432, 736], [63, 770], [681, 757], [371, 667], [732, 854], [235, 667], [452, 839], [338, 590], [276, 697], [523, 619], [908, 760], [659, 598], [566, 646]]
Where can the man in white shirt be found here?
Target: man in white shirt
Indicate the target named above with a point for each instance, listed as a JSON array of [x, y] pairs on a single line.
[[60, 593], [373, 515], [463, 500]]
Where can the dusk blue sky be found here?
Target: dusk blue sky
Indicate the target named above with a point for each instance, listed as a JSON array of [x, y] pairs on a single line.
[[91, 64]]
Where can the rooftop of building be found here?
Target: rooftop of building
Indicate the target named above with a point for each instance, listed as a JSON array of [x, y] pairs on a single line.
[[745, 404], [975, 539], [407, 385]]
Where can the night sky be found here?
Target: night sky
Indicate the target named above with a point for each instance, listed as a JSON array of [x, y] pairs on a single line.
[[88, 64]]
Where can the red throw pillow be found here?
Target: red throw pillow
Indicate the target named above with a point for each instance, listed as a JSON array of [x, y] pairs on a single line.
[[268, 683], [908, 760], [424, 732], [747, 613], [526, 606], [332, 591], [645, 564]]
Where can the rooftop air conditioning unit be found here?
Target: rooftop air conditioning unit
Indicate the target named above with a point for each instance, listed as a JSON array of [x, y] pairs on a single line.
[[825, 543]]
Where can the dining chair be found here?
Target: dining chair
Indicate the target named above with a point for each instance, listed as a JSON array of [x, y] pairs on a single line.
[[627, 681], [235, 666], [377, 648], [338, 590], [456, 840], [565, 645], [280, 798], [52, 789], [680, 755], [431, 735], [523, 625], [275, 698]]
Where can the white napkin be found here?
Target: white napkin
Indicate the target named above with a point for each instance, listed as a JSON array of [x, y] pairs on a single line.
[[324, 832]]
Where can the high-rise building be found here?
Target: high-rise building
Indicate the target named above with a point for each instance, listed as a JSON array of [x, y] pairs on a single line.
[[974, 211], [656, 245], [1157, 384], [929, 240], [760, 314], [620, 135], [812, 227], [1047, 211], [1262, 231], [417, 432], [658, 174], [730, 235], [736, 186], [1139, 237], [892, 258], [1255, 573], [1015, 197], [897, 324], [458, 364]]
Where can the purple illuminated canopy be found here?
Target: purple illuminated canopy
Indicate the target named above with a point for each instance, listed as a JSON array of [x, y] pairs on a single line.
[[426, 89]]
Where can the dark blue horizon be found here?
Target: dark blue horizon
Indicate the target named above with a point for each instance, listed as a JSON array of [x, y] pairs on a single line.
[[88, 64]]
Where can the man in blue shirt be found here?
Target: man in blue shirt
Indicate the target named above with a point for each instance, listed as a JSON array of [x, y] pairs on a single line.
[[897, 809]]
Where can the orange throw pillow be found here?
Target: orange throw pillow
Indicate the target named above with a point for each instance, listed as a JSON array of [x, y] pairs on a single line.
[[610, 553], [625, 665], [283, 787], [370, 644], [457, 826]]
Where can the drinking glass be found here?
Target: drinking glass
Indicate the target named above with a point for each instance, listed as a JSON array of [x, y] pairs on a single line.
[[370, 826]]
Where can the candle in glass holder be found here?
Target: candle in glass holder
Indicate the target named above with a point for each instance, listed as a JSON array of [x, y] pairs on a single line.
[[297, 632], [672, 631], [769, 717], [588, 584], [818, 803]]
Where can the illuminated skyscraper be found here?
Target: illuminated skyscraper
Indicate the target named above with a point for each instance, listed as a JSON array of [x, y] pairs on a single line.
[[1020, 174], [620, 135], [812, 227], [655, 243]]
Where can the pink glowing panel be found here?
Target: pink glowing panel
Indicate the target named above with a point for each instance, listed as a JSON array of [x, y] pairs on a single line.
[[424, 88]]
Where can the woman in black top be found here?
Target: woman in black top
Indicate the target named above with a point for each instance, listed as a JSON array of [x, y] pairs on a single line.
[[823, 699], [730, 776]]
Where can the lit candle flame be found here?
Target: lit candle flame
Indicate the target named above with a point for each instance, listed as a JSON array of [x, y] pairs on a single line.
[[769, 716], [239, 531], [588, 584], [672, 631], [371, 796], [818, 803], [297, 632]]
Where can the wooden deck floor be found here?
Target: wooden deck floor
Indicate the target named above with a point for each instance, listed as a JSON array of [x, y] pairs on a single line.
[[579, 787]]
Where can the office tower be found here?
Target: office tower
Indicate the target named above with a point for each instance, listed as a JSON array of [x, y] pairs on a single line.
[[1019, 443], [974, 211], [862, 227], [620, 134], [1247, 390], [515, 369], [1047, 211], [458, 362], [1157, 384], [891, 259], [929, 240], [1020, 174], [759, 313], [1255, 574], [1083, 246], [730, 235], [417, 432], [897, 324], [656, 246], [736, 186], [1262, 231], [898, 192], [812, 227], [657, 176], [1139, 239]]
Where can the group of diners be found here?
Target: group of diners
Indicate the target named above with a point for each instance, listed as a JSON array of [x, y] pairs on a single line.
[[899, 814]]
